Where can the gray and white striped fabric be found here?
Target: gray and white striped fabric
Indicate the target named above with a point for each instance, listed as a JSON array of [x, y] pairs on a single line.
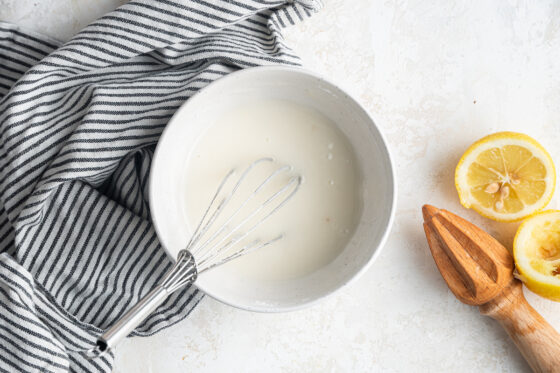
[[78, 126]]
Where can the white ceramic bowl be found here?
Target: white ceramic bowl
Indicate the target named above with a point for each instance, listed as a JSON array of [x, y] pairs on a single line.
[[378, 178]]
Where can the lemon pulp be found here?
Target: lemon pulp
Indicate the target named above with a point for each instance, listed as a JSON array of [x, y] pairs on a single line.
[[505, 176], [536, 251]]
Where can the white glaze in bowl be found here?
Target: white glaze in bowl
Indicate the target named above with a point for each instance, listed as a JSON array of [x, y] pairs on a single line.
[[374, 162]]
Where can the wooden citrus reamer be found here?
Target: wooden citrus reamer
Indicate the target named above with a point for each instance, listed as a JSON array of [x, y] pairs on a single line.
[[479, 271]]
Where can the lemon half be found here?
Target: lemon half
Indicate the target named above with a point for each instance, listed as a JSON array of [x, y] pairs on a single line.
[[536, 249], [505, 176]]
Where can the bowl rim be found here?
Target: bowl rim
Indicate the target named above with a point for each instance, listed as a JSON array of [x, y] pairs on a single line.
[[389, 222]]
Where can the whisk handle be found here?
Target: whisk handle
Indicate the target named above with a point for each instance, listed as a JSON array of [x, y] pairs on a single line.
[[128, 322], [183, 273]]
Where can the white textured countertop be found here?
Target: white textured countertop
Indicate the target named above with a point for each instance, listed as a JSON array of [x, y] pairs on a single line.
[[436, 76]]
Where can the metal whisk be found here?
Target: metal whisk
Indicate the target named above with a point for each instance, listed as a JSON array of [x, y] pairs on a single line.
[[209, 248]]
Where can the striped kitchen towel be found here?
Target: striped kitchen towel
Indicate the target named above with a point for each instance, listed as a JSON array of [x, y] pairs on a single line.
[[78, 126]]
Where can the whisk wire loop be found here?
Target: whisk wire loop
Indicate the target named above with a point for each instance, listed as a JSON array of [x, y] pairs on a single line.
[[216, 253], [210, 248]]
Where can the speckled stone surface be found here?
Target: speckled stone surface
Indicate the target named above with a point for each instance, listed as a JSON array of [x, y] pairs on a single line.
[[435, 76]]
